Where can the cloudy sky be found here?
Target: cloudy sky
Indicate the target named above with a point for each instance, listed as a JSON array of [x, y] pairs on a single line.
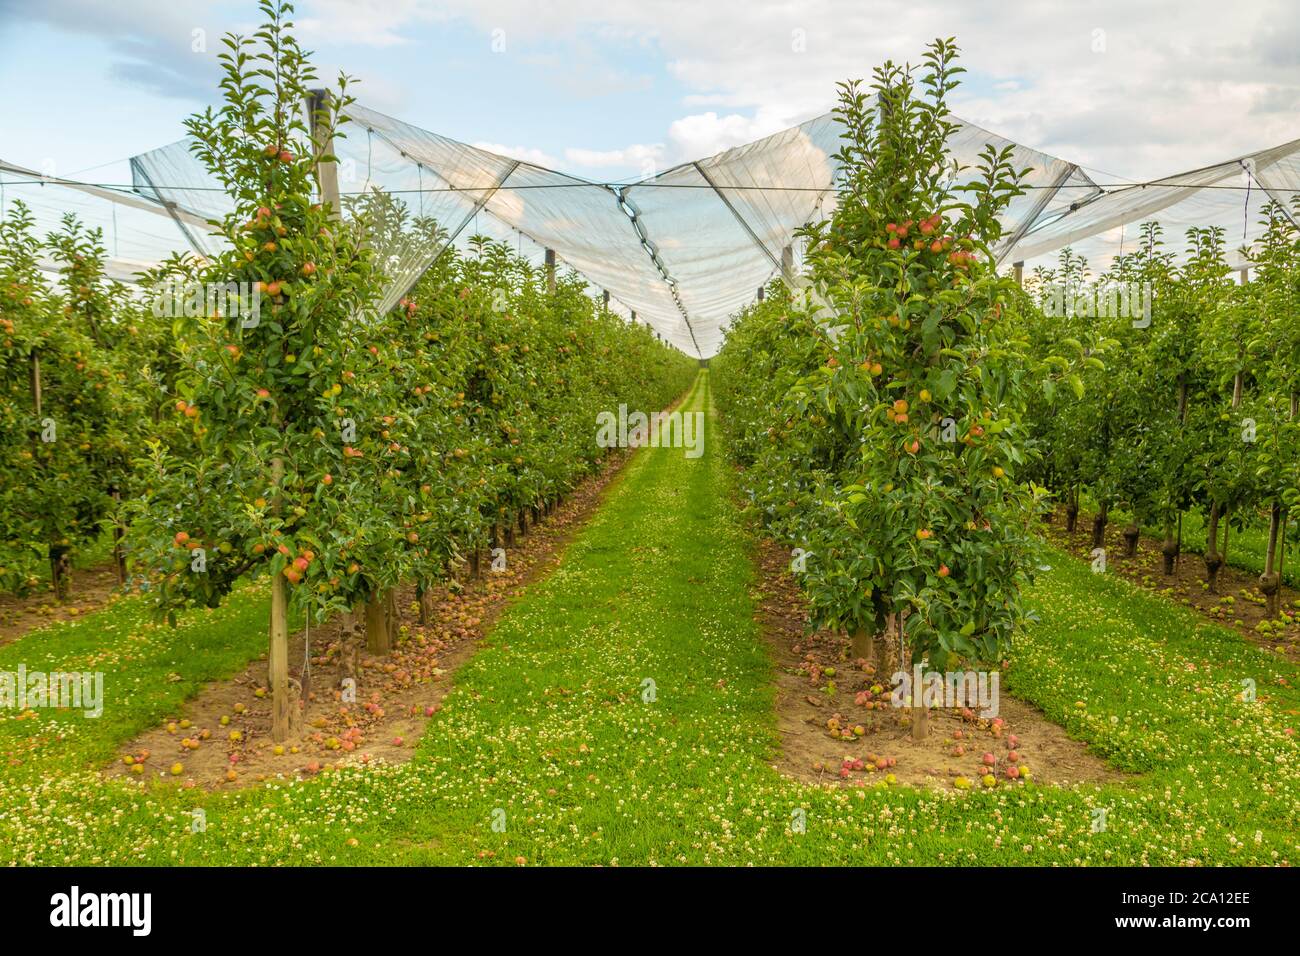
[[609, 89]]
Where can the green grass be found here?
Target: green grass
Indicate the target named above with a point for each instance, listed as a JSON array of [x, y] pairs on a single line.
[[548, 724]]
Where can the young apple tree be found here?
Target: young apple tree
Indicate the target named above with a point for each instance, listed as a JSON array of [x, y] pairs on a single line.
[[936, 532], [268, 393]]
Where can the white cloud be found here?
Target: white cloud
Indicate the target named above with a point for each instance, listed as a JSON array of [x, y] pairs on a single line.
[[528, 154], [646, 159], [703, 134], [1138, 89], [372, 23]]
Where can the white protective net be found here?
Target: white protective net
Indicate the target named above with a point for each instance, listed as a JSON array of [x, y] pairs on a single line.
[[138, 232], [685, 249]]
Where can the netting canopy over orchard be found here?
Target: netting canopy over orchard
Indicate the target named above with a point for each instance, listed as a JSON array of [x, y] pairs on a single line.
[[683, 249]]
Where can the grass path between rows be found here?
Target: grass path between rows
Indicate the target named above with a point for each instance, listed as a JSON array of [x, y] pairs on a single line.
[[621, 713]]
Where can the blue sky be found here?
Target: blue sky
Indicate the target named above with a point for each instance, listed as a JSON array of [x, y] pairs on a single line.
[[602, 89]]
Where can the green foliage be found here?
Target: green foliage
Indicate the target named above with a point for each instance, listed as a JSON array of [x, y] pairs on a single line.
[[1194, 408], [893, 404], [61, 461], [340, 448]]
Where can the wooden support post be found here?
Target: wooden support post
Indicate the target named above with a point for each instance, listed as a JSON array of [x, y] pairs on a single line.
[[119, 533], [322, 135], [761, 292], [277, 658], [60, 564], [36, 384], [1245, 275], [604, 298], [391, 616], [347, 647], [787, 263], [1018, 270], [550, 271]]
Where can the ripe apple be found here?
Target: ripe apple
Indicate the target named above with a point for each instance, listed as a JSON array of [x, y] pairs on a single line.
[[177, 770], [989, 760]]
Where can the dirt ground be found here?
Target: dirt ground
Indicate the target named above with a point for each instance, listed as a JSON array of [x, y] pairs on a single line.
[[91, 589], [221, 739], [852, 738], [1238, 605]]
